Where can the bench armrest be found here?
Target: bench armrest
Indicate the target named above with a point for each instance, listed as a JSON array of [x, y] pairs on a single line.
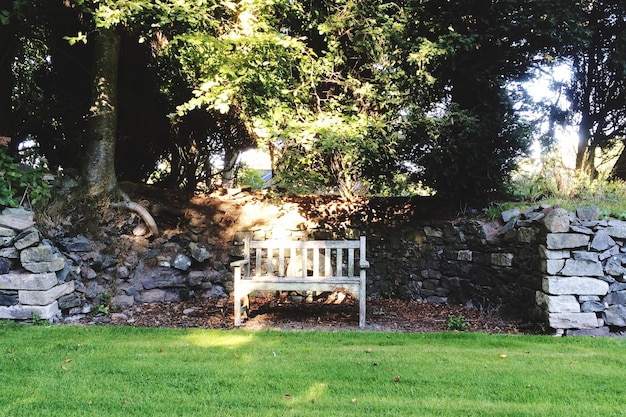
[[239, 263], [364, 264]]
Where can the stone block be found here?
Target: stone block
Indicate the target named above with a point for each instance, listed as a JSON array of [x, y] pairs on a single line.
[[588, 213], [546, 253], [8, 298], [615, 315], [162, 278], [582, 229], [464, 255], [199, 252], [557, 221], [27, 238], [614, 268], [19, 212], [194, 278], [602, 241], [5, 266], [573, 320], [586, 268], [608, 253], [591, 307], [76, 244], [57, 263], [511, 214], [69, 301], [617, 232], [7, 232], [598, 332], [552, 266], [502, 259], [574, 286], [41, 298], [583, 255], [21, 312], [617, 297], [557, 241], [152, 296], [39, 253], [181, 261], [122, 301], [557, 303], [16, 223], [584, 298], [25, 281], [9, 253], [432, 232]]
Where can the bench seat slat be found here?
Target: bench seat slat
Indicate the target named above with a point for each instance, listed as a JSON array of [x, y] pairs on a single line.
[[305, 244]]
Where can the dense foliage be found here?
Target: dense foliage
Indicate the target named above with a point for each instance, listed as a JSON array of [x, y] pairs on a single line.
[[346, 96]]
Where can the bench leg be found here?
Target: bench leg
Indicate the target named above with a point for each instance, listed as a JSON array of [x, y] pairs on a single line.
[[362, 298], [246, 306], [362, 312], [237, 310]]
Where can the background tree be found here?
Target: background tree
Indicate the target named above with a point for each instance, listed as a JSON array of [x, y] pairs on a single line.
[[345, 95], [598, 87]]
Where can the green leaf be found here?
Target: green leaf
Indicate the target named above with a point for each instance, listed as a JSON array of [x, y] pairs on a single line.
[[4, 17]]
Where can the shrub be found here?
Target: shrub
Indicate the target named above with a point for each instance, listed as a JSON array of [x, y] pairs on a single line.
[[21, 184]]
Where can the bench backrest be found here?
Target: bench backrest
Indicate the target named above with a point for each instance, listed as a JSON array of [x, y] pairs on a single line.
[[304, 258]]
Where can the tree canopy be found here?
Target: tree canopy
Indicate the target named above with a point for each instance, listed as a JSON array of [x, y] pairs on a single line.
[[346, 96]]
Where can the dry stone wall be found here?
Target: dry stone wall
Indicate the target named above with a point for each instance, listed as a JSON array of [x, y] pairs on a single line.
[[583, 284], [29, 286], [546, 265]]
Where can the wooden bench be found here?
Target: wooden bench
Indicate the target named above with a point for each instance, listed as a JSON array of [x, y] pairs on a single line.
[[303, 265]]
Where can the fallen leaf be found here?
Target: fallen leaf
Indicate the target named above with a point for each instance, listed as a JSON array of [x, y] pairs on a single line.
[[354, 401], [68, 360], [314, 400], [368, 350], [396, 379], [236, 356], [504, 356], [287, 396], [64, 367]]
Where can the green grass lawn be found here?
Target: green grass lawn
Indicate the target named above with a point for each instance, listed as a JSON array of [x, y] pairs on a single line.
[[124, 371]]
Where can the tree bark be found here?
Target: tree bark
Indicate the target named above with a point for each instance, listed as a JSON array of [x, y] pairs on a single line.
[[7, 54], [230, 162], [99, 164], [619, 169]]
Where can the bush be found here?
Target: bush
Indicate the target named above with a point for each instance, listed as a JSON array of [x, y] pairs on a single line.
[[20, 184]]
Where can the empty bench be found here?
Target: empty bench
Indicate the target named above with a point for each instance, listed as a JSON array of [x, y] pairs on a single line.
[[302, 265]]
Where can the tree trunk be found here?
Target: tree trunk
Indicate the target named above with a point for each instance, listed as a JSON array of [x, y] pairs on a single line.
[[99, 163], [7, 54], [230, 162], [587, 144], [619, 169]]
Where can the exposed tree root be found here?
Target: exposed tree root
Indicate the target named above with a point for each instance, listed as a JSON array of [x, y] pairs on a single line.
[[140, 210]]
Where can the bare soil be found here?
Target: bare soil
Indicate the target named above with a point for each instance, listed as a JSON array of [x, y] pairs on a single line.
[[281, 313]]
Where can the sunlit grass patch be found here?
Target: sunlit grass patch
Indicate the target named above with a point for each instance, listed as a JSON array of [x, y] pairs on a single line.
[[97, 371]]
